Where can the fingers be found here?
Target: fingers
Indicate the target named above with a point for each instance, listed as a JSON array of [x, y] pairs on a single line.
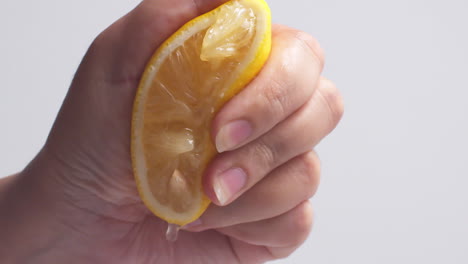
[[286, 82], [283, 189], [273, 238], [284, 231], [233, 173]]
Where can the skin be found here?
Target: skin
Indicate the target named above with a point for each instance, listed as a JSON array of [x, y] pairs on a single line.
[[76, 202]]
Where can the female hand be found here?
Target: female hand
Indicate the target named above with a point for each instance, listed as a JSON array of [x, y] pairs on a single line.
[[77, 200]]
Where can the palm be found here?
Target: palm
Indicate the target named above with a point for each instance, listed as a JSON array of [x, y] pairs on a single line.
[[93, 135]]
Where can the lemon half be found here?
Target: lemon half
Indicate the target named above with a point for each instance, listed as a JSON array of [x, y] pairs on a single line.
[[190, 76]]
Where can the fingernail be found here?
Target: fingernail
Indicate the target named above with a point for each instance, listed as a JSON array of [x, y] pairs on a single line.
[[193, 224], [232, 135], [228, 183]]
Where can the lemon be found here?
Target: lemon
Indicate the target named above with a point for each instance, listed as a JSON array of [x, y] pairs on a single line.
[[190, 76]]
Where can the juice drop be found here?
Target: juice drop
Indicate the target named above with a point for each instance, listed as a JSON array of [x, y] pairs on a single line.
[[172, 232]]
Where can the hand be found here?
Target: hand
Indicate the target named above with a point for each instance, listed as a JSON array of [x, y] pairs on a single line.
[[79, 193]]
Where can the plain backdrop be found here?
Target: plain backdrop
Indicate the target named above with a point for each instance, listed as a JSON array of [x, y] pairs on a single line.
[[395, 172]]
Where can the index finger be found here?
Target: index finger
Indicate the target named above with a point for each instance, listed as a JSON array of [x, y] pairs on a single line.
[[286, 82]]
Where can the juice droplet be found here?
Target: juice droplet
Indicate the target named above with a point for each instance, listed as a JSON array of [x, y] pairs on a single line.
[[172, 232]]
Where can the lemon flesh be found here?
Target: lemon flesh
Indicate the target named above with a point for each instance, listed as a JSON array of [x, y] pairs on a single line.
[[187, 80]]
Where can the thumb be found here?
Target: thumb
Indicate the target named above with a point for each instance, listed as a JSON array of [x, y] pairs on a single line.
[[100, 99], [89, 144], [124, 48]]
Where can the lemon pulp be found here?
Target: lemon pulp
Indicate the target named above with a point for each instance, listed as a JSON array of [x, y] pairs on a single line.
[[191, 75]]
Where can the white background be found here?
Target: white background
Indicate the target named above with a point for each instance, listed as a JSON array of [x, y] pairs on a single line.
[[394, 186]]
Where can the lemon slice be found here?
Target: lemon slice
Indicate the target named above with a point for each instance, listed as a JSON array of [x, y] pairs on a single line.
[[190, 76]]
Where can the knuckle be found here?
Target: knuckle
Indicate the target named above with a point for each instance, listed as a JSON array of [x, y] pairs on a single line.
[[311, 44], [277, 92], [310, 173], [267, 152], [333, 100], [301, 222], [281, 91]]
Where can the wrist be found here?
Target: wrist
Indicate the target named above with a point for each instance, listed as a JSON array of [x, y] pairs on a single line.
[[48, 216], [31, 230]]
